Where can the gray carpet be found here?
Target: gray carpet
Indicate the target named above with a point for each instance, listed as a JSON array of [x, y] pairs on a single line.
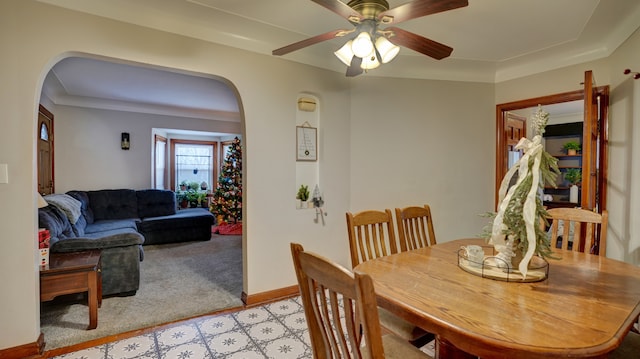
[[178, 281]]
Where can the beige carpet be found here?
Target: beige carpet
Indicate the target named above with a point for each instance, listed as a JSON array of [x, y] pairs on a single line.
[[178, 281]]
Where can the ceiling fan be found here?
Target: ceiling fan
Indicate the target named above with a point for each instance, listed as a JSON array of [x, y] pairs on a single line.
[[369, 45]]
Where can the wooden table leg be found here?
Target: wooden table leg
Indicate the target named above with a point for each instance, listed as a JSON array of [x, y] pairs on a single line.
[[446, 350], [92, 298], [99, 275]]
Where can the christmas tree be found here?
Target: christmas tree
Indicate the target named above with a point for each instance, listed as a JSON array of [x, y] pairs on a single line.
[[227, 199]]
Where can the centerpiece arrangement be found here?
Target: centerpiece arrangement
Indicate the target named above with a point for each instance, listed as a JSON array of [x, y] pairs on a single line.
[[515, 232]]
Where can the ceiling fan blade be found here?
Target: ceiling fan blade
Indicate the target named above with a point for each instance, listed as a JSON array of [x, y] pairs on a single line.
[[419, 8], [354, 69], [341, 9], [418, 43], [308, 42]]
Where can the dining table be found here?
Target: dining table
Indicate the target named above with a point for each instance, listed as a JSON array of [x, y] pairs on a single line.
[[582, 309]]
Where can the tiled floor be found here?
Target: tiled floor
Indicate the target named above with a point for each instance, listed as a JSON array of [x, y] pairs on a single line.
[[277, 330]]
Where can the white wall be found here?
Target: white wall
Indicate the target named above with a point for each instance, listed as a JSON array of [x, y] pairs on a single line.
[[417, 142], [87, 146], [624, 145]]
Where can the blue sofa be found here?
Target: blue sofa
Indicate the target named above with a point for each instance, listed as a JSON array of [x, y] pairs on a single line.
[[120, 222]]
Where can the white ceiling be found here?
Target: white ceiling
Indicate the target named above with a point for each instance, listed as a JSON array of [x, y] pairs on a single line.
[[94, 83], [493, 41]]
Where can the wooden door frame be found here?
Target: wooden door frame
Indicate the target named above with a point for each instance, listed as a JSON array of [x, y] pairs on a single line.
[[46, 113], [157, 138], [502, 109]]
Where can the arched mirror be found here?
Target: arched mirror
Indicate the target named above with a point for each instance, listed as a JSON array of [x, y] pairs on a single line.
[[578, 116]]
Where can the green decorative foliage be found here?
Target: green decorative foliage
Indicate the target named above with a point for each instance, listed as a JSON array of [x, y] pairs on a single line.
[[513, 220], [303, 193], [573, 175], [513, 216], [572, 145]]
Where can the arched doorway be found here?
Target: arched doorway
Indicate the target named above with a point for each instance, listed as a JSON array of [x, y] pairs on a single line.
[[97, 99]]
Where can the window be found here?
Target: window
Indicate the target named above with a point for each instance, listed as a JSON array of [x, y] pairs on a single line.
[[193, 161], [160, 155], [44, 132]]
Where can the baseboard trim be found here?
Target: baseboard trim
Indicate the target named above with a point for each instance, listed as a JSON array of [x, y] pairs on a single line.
[[26, 351], [269, 296]]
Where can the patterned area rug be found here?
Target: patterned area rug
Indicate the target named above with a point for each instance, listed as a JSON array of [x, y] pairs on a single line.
[[178, 281]]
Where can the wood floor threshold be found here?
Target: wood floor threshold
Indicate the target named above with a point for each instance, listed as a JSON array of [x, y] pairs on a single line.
[[248, 300]]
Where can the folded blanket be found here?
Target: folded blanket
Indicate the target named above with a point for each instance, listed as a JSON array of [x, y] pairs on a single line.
[[67, 204]]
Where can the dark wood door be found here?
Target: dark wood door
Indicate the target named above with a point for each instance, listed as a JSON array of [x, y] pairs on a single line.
[[45, 151], [515, 128]]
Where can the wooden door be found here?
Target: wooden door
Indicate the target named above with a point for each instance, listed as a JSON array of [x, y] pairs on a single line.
[[590, 144], [515, 128], [45, 151], [510, 129]]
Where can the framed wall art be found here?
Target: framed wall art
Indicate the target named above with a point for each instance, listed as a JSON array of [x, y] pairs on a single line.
[[306, 143]]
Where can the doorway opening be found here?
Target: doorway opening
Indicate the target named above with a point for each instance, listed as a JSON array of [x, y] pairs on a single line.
[[91, 110], [593, 104]]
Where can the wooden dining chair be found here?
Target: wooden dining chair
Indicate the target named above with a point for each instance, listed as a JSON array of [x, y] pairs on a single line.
[[585, 230], [580, 227], [340, 309], [371, 235], [415, 227]]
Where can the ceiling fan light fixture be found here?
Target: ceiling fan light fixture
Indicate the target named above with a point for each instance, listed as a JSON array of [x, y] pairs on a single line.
[[369, 45], [387, 50], [362, 45], [345, 54], [370, 62]]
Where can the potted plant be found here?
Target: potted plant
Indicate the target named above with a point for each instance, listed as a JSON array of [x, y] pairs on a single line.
[[302, 196], [181, 199], [193, 198], [573, 176], [572, 147], [194, 186], [202, 200]]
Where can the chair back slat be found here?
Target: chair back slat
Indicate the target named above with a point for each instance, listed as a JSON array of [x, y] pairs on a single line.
[[589, 237], [341, 314], [327, 291], [586, 230], [371, 235], [415, 227]]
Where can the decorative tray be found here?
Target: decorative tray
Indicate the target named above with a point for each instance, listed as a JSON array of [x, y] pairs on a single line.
[[496, 268]]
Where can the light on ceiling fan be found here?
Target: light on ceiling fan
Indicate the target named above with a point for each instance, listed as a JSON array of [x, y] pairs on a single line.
[[345, 54], [370, 62], [387, 50], [362, 45]]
